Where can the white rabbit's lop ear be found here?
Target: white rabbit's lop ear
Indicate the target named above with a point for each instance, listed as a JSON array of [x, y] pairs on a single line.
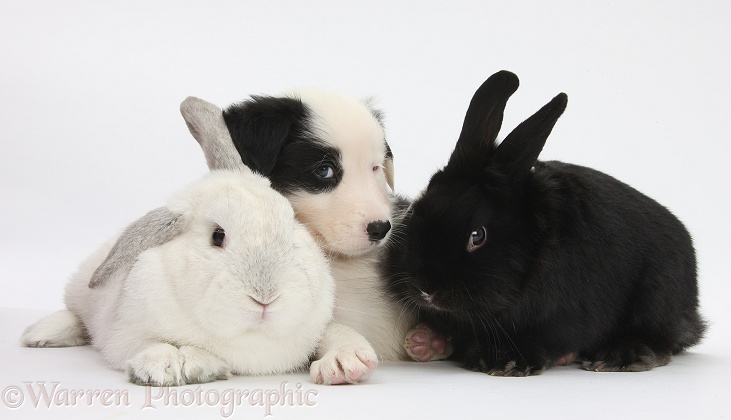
[[151, 230], [206, 124]]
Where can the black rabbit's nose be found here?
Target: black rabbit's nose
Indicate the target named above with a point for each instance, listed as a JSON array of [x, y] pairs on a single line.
[[378, 230]]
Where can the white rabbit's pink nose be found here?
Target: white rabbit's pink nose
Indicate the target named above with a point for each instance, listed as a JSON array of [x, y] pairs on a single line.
[[264, 302]]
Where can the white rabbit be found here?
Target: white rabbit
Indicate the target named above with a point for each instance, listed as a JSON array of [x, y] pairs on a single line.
[[223, 280], [344, 355]]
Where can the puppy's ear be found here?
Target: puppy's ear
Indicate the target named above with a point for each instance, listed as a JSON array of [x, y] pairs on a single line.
[[388, 160], [151, 230], [388, 166], [260, 127]]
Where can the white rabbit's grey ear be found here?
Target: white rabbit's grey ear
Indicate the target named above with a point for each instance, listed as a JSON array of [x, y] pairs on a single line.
[[206, 124], [151, 230]]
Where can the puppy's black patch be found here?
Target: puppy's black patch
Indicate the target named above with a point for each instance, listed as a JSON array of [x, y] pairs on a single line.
[[261, 126], [271, 134], [307, 164]]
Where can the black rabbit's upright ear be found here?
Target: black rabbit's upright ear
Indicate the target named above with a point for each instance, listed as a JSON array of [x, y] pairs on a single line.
[[518, 153], [260, 128], [484, 118]]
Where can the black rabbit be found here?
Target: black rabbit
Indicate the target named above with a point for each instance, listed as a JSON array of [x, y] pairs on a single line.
[[525, 264]]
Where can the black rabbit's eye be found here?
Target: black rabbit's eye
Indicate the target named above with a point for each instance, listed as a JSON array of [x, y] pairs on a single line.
[[218, 236], [477, 238], [325, 171]]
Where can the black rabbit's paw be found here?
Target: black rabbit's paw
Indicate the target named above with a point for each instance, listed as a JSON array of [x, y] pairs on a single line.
[[626, 356], [511, 368], [566, 359], [423, 344]]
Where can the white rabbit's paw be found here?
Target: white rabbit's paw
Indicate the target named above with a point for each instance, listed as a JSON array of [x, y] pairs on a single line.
[[423, 344], [200, 366], [348, 364], [157, 365], [61, 329]]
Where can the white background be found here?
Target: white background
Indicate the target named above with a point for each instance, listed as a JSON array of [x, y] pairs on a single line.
[[92, 137]]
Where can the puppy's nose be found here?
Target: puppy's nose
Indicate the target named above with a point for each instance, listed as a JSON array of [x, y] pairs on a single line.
[[378, 230]]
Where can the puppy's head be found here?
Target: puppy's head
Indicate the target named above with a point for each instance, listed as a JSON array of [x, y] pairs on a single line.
[[327, 153]]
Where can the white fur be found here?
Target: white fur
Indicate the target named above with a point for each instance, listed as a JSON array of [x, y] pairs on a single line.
[[362, 303], [338, 220], [368, 325], [187, 311]]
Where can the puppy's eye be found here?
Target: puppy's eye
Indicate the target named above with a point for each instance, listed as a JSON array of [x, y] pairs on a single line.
[[477, 238], [218, 236], [325, 171]]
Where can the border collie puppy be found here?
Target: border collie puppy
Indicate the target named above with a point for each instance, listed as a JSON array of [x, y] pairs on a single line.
[[327, 154]]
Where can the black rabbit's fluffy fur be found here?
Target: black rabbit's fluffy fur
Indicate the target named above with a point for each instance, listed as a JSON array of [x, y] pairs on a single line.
[[571, 262]]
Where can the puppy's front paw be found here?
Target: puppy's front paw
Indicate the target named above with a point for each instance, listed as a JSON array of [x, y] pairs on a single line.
[[348, 364], [423, 344]]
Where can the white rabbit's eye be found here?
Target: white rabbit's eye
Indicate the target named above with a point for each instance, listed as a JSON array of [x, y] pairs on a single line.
[[478, 237], [218, 236], [325, 171]]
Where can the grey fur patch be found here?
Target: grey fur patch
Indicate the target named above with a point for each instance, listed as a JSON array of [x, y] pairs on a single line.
[[206, 124], [153, 229]]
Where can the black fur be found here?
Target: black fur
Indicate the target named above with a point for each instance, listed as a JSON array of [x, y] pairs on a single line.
[[271, 135], [575, 262]]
